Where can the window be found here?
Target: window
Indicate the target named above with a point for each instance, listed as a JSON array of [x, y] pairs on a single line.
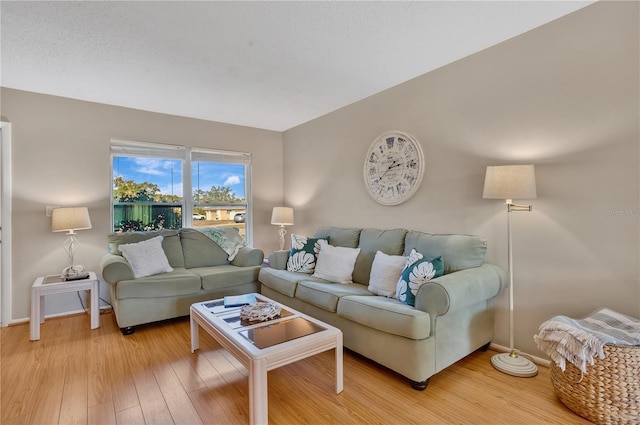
[[149, 180]]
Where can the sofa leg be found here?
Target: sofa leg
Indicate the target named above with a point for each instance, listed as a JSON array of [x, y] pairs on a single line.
[[420, 386], [485, 347], [128, 330]]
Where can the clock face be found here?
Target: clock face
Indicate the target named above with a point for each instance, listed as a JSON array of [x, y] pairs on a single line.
[[393, 168]]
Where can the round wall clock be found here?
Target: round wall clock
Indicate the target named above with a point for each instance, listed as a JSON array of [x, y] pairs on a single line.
[[393, 167]]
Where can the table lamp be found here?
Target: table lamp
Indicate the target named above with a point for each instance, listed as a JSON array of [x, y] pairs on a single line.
[[282, 216], [70, 219]]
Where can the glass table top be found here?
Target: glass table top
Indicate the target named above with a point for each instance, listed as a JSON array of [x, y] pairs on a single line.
[[264, 334]]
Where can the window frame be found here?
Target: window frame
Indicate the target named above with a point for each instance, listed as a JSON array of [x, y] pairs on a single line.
[[187, 155]]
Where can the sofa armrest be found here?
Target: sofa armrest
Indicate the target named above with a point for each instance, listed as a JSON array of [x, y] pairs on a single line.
[[278, 259], [455, 291], [115, 268], [248, 256]]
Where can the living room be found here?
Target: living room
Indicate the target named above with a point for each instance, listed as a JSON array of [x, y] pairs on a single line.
[[563, 96]]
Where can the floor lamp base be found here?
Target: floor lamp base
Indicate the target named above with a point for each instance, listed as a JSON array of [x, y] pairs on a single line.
[[515, 365]]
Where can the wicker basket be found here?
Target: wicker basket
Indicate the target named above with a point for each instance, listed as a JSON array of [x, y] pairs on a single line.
[[609, 393]]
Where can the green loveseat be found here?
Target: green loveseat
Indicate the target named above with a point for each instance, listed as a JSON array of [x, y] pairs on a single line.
[[453, 314], [201, 271]]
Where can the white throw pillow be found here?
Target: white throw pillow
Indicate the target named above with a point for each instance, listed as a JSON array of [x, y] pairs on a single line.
[[146, 257], [335, 263], [385, 273]]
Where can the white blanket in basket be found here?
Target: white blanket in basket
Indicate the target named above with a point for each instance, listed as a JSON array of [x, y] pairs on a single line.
[[579, 341]]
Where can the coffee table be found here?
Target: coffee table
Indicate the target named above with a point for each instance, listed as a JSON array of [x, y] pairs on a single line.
[[263, 346]]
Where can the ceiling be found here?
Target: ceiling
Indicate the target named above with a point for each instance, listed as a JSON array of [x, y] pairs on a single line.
[[265, 64]]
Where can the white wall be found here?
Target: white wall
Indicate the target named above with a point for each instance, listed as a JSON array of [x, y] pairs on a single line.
[[61, 157], [563, 97]]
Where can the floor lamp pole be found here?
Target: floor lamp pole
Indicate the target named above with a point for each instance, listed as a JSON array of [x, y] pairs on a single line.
[[511, 363]]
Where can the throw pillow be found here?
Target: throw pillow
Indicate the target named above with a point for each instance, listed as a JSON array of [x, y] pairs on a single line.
[[335, 263], [303, 254], [417, 271], [385, 273], [147, 257]]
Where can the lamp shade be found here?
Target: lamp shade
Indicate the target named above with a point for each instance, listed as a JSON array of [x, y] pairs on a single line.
[[510, 182], [70, 219], [282, 216]]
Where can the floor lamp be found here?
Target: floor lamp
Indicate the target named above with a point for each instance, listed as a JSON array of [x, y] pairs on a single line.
[[282, 216], [510, 182]]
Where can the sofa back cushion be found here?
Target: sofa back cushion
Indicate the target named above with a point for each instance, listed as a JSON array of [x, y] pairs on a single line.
[[391, 242], [200, 251], [170, 243], [458, 252], [340, 237]]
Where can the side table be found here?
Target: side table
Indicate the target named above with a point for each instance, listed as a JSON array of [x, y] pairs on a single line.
[[46, 285]]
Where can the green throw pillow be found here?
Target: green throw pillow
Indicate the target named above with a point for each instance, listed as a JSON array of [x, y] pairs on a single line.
[[417, 271], [304, 254]]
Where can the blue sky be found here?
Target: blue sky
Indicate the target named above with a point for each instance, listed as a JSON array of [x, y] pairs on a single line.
[[167, 174]]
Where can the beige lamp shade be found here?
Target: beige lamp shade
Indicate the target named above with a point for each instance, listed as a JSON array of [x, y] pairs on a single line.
[[70, 219], [282, 216], [510, 182]]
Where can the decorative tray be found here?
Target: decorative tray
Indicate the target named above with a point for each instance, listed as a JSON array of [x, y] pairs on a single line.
[[259, 311]]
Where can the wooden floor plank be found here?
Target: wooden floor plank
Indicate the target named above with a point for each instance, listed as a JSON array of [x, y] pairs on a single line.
[[74, 404], [99, 385], [101, 414], [174, 394], [120, 375], [151, 377], [141, 361], [130, 416]]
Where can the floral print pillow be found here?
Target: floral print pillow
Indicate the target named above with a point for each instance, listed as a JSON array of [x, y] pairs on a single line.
[[417, 271], [303, 254]]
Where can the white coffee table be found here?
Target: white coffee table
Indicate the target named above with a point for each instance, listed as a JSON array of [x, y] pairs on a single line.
[[263, 346]]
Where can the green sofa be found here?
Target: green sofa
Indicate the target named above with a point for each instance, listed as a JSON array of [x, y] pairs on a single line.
[[201, 271], [453, 314]]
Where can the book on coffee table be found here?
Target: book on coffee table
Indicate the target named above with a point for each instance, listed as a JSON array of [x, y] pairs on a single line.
[[239, 300]]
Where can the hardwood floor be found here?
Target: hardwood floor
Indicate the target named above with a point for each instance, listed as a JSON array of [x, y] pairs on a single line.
[[77, 376]]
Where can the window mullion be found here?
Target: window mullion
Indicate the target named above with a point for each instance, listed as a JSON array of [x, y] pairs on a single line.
[[187, 190]]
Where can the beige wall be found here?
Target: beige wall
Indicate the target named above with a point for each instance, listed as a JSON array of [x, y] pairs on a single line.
[[563, 97], [61, 157]]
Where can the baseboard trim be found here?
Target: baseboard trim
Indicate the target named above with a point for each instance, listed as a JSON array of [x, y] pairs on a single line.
[[537, 360], [103, 309]]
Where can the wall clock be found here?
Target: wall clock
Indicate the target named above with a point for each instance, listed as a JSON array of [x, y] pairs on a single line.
[[393, 167]]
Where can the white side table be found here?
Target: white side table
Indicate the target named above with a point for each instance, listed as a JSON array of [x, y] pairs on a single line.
[[54, 284]]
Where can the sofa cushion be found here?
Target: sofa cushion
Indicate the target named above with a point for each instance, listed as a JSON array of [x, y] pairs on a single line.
[[390, 242], [335, 263], [200, 251], [146, 258], [178, 282], [339, 237], [387, 315], [385, 273], [458, 252], [226, 275], [303, 254], [326, 294], [284, 281], [170, 243]]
